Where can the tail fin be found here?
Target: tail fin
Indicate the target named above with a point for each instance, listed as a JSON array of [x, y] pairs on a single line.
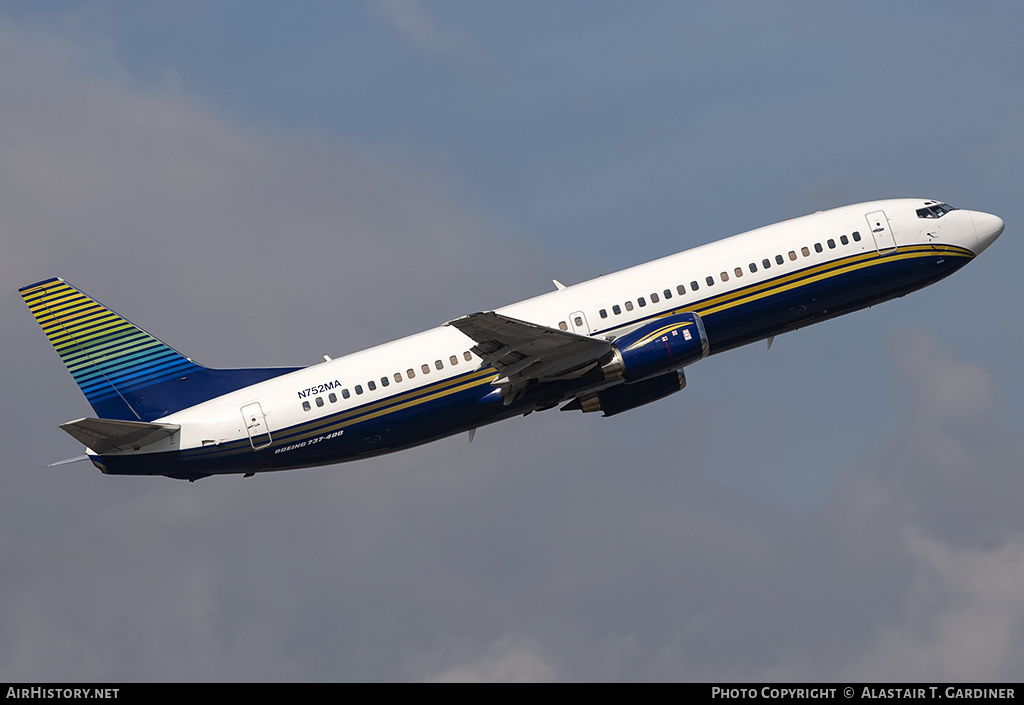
[[124, 372]]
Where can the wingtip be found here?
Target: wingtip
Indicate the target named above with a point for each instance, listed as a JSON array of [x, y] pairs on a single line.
[[466, 317]]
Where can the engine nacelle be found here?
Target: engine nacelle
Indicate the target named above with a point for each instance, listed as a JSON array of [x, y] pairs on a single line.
[[656, 348], [628, 396]]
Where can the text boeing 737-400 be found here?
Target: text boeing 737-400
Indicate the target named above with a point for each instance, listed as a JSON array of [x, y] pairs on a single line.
[[609, 344]]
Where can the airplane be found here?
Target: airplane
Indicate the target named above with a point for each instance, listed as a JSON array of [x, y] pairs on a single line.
[[606, 345]]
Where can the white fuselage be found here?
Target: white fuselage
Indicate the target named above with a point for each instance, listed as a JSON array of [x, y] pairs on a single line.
[[804, 257]]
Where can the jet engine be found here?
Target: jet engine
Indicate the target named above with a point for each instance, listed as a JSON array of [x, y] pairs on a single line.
[[626, 396], [657, 347], [649, 362]]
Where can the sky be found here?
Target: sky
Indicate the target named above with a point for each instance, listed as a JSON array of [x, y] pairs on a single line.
[[262, 183]]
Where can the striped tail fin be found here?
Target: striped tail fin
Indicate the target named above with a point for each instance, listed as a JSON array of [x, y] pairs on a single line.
[[124, 372]]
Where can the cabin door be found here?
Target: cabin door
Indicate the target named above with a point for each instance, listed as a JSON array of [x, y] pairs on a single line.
[[256, 425], [878, 224]]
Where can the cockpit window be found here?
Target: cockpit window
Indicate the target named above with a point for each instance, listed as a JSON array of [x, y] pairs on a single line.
[[935, 211]]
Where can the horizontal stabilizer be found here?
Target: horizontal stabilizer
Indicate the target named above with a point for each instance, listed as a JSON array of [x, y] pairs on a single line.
[[68, 461], [105, 435]]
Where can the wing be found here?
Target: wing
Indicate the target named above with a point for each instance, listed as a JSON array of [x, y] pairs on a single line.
[[524, 353]]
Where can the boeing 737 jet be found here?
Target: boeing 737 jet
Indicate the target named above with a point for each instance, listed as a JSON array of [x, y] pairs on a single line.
[[609, 344]]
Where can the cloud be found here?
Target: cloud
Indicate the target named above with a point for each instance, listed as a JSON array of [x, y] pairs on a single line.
[[239, 248], [946, 391], [126, 193], [962, 619], [409, 18], [931, 509], [511, 659]]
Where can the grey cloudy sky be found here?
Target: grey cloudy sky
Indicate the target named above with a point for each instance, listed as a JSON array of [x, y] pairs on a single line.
[[258, 184]]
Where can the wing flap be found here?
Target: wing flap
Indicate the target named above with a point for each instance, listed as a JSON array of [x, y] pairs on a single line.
[[106, 435]]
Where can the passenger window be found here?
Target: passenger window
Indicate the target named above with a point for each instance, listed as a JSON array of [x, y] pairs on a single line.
[[359, 389], [345, 394], [766, 264], [753, 267], [438, 364], [319, 401], [805, 252], [305, 406], [603, 313], [562, 325], [384, 381], [629, 305], [616, 310], [332, 397], [856, 236], [710, 281], [738, 272], [467, 356], [654, 298], [792, 256], [694, 285], [425, 368], [410, 373], [817, 247], [843, 239], [681, 289], [371, 385], [454, 360], [831, 244], [724, 276], [667, 293], [641, 301], [579, 321], [778, 259], [398, 376]]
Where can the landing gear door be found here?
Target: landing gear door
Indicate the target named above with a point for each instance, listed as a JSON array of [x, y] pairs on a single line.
[[256, 425], [878, 224]]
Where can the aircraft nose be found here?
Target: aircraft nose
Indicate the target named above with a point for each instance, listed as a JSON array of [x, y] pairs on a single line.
[[987, 227]]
